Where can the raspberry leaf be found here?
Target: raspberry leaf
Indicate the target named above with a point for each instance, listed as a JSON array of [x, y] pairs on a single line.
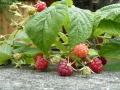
[[55, 3], [81, 25], [70, 3], [110, 12], [27, 51], [43, 28], [110, 27], [59, 45], [5, 53], [63, 37], [92, 52], [111, 49]]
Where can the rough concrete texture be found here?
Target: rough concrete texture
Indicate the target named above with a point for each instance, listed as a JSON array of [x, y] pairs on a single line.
[[28, 79]]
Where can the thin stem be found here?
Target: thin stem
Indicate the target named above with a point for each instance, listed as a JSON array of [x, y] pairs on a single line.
[[14, 37], [81, 63]]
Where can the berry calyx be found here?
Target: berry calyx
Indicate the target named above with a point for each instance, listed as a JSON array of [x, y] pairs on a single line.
[[41, 64], [72, 61], [80, 50], [41, 6], [103, 59], [96, 65], [39, 55], [64, 69]]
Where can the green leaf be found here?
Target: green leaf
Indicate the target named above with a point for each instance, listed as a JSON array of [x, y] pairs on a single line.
[[19, 43], [21, 49], [92, 52], [63, 37], [29, 60], [59, 45], [3, 58], [31, 52], [81, 25], [21, 35], [110, 27], [7, 49], [27, 51], [43, 28], [5, 53], [67, 23], [70, 3], [97, 32], [110, 12], [111, 49], [55, 3]]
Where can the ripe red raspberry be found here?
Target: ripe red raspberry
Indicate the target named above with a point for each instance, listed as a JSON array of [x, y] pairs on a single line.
[[41, 64], [104, 61], [41, 6], [64, 69], [71, 61], [39, 55], [80, 50], [96, 65]]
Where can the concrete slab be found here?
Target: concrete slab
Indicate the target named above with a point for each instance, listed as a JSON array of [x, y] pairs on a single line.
[[28, 79]]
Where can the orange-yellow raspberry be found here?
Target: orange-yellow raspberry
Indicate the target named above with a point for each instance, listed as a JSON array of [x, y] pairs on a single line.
[[80, 50]]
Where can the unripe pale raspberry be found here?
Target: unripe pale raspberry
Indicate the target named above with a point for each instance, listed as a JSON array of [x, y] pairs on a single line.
[[31, 10], [13, 7], [17, 56], [86, 71], [2, 37], [56, 59]]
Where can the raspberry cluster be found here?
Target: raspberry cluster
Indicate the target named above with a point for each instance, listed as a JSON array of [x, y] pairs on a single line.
[[66, 66]]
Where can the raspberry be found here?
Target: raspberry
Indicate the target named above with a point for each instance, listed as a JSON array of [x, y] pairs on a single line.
[[2, 37], [39, 55], [13, 7], [80, 50], [104, 61], [56, 59], [41, 6], [31, 10], [71, 61], [17, 56], [41, 64], [96, 65], [64, 69]]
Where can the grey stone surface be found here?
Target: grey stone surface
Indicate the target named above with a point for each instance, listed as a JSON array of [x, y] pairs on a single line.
[[28, 79]]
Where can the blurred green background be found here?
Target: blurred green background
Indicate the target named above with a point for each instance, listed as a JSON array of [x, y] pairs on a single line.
[[113, 64]]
